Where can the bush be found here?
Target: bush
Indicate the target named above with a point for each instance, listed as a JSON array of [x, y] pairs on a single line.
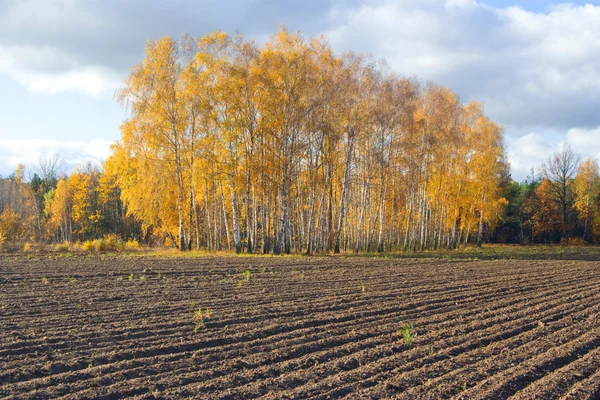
[[107, 243], [169, 242], [132, 244], [88, 245], [62, 247], [575, 241], [100, 245], [111, 242]]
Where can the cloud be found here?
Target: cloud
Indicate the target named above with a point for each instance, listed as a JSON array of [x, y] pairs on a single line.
[[528, 152], [73, 153], [585, 141], [58, 74], [51, 46], [531, 150], [536, 72], [527, 68]]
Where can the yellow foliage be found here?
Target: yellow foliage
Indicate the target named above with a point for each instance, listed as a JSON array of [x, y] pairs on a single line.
[[11, 225], [221, 130], [112, 242], [132, 244], [575, 242], [88, 246], [62, 247]]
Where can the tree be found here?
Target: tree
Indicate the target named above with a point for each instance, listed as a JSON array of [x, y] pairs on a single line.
[[587, 187], [559, 170], [547, 212], [59, 210], [154, 92], [12, 227], [290, 147], [50, 168]]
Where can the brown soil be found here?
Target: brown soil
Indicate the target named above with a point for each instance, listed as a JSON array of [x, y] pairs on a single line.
[[298, 328]]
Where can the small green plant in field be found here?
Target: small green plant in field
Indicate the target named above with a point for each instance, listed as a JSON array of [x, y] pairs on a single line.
[[143, 278], [45, 280], [119, 278], [246, 275], [72, 279], [362, 286], [130, 277], [90, 365], [159, 276], [408, 333], [200, 315]]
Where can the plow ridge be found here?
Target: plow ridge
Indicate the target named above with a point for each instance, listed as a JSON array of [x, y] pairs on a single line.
[[298, 328]]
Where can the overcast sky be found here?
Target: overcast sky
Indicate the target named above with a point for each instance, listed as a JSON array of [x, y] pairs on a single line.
[[534, 65]]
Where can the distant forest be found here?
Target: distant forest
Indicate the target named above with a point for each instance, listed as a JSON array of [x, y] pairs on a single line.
[[289, 147]]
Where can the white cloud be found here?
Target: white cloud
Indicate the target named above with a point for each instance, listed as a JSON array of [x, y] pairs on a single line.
[[528, 152], [585, 141], [460, 3], [531, 150], [527, 68], [49, 70], [536, 72], [29, 151]]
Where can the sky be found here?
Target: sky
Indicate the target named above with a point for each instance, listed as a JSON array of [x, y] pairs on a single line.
[[534, 64]]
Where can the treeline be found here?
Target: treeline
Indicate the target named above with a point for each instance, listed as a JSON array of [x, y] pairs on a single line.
[[41, 204], [289, 147], [49, 207], [563, 202]]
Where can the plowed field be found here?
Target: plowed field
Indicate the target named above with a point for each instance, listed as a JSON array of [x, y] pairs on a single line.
[[298, 328]]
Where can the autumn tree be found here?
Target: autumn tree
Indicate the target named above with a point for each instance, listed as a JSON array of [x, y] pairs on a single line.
[[154, 92], [59, 209], [587, 188], [559, 170], [12, 226], [290, 147]]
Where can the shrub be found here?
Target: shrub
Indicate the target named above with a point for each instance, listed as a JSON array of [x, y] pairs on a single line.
[[169, 242], [111, 242], [99, 245], [107, 243], [576, 241], [132, 244], [88, 245], [62, 247]]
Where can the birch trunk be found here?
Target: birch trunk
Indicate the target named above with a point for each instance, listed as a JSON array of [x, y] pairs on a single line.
[[343, 200]]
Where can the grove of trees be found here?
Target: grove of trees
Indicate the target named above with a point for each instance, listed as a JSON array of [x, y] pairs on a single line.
[[289, 147]]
